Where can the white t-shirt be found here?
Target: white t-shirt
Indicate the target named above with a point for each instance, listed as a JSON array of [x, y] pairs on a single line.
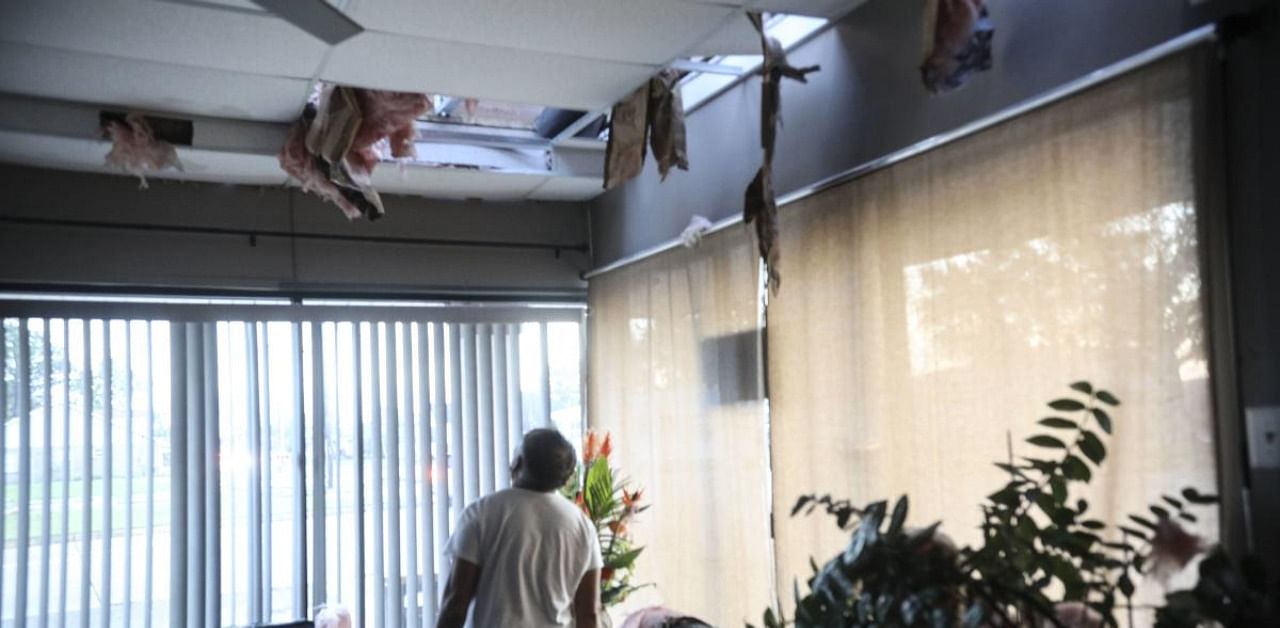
[[533, 549]]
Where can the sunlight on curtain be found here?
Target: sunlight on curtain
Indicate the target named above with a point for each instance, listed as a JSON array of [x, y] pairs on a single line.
[[675, 370], [930, 309]]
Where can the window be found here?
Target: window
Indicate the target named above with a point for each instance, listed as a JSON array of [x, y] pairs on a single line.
[[251, 466]]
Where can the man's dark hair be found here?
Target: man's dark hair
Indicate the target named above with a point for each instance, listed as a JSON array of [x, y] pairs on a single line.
[[549, 460]]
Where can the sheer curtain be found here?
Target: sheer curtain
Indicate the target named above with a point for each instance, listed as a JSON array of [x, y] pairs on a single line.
[[675, 376], [929, 310]]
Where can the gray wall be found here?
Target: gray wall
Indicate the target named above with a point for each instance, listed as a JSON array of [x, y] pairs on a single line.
[[74, 255]]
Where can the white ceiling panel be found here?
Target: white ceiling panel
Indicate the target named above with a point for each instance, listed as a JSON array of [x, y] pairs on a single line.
[[70, 153], [148, 85], [455, 183], [817, 8], [181, 34], [649, 31], [568, 189], [735, 37], [385, 61]]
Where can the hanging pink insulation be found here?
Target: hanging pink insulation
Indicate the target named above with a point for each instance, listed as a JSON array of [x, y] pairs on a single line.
[[300, 164], [331, 149], [960, 35], [135, 149], [390, 115]]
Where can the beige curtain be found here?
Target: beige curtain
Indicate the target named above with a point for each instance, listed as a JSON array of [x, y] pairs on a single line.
[[675, 376], [929, 310]]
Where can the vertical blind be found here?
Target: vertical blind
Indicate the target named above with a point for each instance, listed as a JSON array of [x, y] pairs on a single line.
[[929, 311], [675, 376], [240, 471]]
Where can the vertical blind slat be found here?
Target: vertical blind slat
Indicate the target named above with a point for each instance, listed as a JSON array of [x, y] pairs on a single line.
[[177, 476], [46, 518], [66, 471], [470, 419], [545, 380], [255, 472], [375, 435], [318, 421], [515, 401], [298, 465], [501, 437], [4, 447], [391, 420], [409, 474], [213, 484], [128, 487], [484, 406], [86, 470], [361, 593], [428, 366], [455, 452], [108, 441], [149, 551], [264, 488], [21, 574], [194, 474]]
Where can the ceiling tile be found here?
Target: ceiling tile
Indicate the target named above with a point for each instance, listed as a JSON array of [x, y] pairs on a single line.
[[148, 85], [568, 189], [455, 183], [397, 62], [651, 31], [180, 34], [735, 37]]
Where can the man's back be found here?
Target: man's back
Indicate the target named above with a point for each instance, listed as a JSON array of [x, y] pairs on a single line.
[[533, 549]]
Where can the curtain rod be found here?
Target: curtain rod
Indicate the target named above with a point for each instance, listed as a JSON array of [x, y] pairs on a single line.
[[253, 234], [1203, 34]]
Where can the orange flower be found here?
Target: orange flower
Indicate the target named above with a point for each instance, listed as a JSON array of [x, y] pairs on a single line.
[[618, 527], [589, 448], [607, 447], [630, 499]]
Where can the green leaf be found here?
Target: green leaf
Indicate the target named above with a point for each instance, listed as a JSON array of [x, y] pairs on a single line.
[[1103, 419], [1125, 584], [899, 516], [1044, 440], [1066, 405], [1084, 387], [625, 559], [1058, 423], [1196, 497], [1143, 521], [1107, 398], [1075, 469], [1091, 447]]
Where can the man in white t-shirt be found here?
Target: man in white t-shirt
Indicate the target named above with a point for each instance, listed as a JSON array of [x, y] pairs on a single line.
[[527, 556]]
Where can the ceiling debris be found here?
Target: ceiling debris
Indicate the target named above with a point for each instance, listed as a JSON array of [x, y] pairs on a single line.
[[333, 148], [653, 112], [760, 205], [136, 150], [958, 43]]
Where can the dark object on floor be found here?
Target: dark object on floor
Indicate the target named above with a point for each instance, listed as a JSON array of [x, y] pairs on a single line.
[[960, 33], [760, 206]]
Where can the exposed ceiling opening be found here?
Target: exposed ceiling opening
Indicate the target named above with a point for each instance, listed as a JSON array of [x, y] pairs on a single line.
[[520, 88]]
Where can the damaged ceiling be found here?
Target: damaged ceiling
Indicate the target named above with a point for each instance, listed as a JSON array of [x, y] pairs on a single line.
[[232, 63]]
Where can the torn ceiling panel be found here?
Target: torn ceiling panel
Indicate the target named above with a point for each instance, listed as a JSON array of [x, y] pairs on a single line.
[[649, 31], [182, 34], [482, 71], [149, 85]]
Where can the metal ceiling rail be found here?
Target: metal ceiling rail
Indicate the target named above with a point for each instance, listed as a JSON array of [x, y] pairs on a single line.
[[1186, 41], [253, 234]]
